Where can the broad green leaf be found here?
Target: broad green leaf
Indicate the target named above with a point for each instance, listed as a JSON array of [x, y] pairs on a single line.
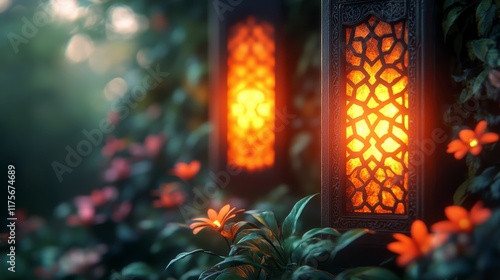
[[238, 272], [210, 274], [290, 224], [267, 219], [185, 254], [449, 3], [367, 273], [480, 48], [239, 260], [478, 81], [349, 237], [462, 192], [485, 15], [492, 58], [320, 231], [239, 226], [450, 19], [138, 269], [311, 273]]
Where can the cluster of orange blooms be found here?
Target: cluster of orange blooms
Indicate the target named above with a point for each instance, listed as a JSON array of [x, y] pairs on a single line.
[[422, 242]]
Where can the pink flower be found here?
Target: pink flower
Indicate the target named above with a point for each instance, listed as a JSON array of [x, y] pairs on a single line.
[[78, 261], [120, 169], [137, 150], [85, 213], [113, 146], [154, 144], [122, 211], [113, 118], [186, 171], [100, 197]]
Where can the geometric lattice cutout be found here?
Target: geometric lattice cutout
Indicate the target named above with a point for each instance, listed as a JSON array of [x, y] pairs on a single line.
[[377, 117], [251, 95]]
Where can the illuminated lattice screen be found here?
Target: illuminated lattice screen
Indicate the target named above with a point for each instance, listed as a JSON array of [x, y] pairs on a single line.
[[251, 95], [377, 117]]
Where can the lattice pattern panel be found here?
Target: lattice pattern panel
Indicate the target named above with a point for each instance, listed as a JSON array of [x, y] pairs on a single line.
[[377, 117], [251, 95]]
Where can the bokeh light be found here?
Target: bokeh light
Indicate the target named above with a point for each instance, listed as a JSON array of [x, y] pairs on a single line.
[[116, 88], [66, 9], [124, 21], [4, 5], [80, 47]]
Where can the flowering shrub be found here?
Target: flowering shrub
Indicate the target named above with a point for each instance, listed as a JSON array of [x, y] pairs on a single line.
[[272, 252]]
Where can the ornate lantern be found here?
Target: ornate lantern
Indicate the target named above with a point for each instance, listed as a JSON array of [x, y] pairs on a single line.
[[377, 89], [247, 137]]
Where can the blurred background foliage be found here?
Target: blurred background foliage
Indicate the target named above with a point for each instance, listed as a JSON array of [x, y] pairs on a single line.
[[67, 66]]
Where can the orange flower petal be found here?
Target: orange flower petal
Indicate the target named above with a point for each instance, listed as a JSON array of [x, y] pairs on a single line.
[[205, 220], [478, 214], [456, 145], [445, 226], [467, 135], [476, 150], [223, 212], [405, 259], [456, 213], [196, 230], [402, 238], [460, 154], [480, 128], [419, 232], [397, 247], [489, 137], [212, 214]]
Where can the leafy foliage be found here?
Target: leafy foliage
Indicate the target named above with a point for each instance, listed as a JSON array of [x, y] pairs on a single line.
[[272, 252], [476, 25]]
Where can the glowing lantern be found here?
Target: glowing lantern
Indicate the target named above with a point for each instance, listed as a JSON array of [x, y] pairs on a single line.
[[247, 94], [373, 89]]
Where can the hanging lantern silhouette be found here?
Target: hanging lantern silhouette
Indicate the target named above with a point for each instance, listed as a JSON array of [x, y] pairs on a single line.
[[247, 140], [376, 88]]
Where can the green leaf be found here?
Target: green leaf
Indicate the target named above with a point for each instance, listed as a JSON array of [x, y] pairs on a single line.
[[462, 192], [485, 15], [451, 18], [138, 269], [290, 224], [185, 254], [478, 81], [307, 272], [267, 219], [320, 231], [240, 260], [480, 48], [449, 3], [349, 237], [239, 272], [239, 226], [367, 273]]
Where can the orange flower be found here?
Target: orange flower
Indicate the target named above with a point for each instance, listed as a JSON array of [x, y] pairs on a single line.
[[471, 140], [186, 171], [411, 248], [170, 195], [215, 221], [459, 220]]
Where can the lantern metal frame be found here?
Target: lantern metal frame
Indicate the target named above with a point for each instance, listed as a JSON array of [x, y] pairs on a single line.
[[336, 16]]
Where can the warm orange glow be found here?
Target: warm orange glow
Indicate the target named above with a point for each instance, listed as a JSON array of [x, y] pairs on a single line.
[[251, 95], [377, 117]]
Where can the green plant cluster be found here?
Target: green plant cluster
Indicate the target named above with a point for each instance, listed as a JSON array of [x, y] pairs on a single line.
[[273, 252]]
